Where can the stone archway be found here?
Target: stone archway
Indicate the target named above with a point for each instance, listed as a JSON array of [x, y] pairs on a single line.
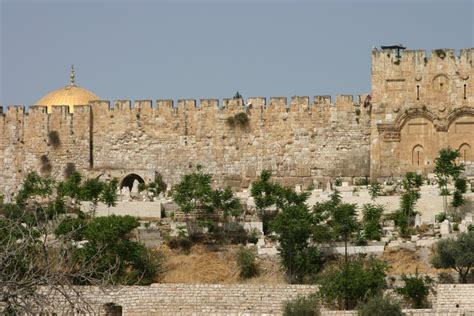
[[129, 180]]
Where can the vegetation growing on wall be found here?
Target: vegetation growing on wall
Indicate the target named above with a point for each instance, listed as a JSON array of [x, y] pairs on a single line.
[[240, 119]]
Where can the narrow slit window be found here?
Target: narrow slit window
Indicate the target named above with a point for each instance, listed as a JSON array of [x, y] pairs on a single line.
[[418, 92], [418, 158], [465, 95]]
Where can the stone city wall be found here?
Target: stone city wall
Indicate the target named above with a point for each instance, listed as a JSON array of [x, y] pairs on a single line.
[[301, 142], [244, 299]]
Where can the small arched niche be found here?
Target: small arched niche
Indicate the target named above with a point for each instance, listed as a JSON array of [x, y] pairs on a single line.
[[129, 180], [417, 156], [466, 153]]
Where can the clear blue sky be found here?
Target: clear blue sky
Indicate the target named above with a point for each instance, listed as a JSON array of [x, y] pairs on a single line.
[[210, 49]]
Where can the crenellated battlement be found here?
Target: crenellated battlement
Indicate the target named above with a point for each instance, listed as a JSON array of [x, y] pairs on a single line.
[[423, 57], [342, 102]]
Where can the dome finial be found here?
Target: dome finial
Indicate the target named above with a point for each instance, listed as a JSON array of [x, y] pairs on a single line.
[[72, 77]]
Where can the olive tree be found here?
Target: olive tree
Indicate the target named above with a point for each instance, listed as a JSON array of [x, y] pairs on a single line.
[[456, 254]]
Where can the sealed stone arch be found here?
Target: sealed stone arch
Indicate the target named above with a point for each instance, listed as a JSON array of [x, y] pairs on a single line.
[[417, 156], [466, 153]]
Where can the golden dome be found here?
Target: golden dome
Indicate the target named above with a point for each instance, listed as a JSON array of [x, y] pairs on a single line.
[[70, 95]]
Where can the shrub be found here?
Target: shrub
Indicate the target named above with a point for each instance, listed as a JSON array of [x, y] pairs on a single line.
[[375, 189], [381, 306], [338, 182], [362, 181], [416, 289], [371, 221], [441, 217], [240, 119], [253, 236], [347, 284], [183, 243], [246, 262], [302, 306]]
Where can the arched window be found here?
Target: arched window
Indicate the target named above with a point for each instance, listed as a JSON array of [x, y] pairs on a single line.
[[465, 151], [417, 157]]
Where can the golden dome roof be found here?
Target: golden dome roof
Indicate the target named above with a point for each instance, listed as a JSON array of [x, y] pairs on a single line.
[[70, 95]]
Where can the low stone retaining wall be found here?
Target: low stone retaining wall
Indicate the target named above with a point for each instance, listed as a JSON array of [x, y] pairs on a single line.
[[242, 299]]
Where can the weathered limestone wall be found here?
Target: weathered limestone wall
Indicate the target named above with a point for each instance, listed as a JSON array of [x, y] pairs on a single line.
[[420, 104], [300, 142], [248, 299], [25, 140]]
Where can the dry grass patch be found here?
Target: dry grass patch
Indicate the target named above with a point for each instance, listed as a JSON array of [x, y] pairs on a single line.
[[203, 265]]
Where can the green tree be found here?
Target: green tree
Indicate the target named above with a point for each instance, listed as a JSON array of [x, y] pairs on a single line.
[[265, 195], [416, 289], [110, 237], [344, 223], [193, 192], [91, 191], [404, 216], [34, 185], [346, 284], [457, 254], [371, 221], [109, 194], [225, 202], [446, 169], [300, 258], [71, 186]]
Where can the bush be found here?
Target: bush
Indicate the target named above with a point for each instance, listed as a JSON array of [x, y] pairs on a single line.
[[381, 306], [345, 285], [302, 306], [338, 182], [440, 217], [416, 289], [375, 189], [246, 262], [253, 236], [183, 243], [240, 119]]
